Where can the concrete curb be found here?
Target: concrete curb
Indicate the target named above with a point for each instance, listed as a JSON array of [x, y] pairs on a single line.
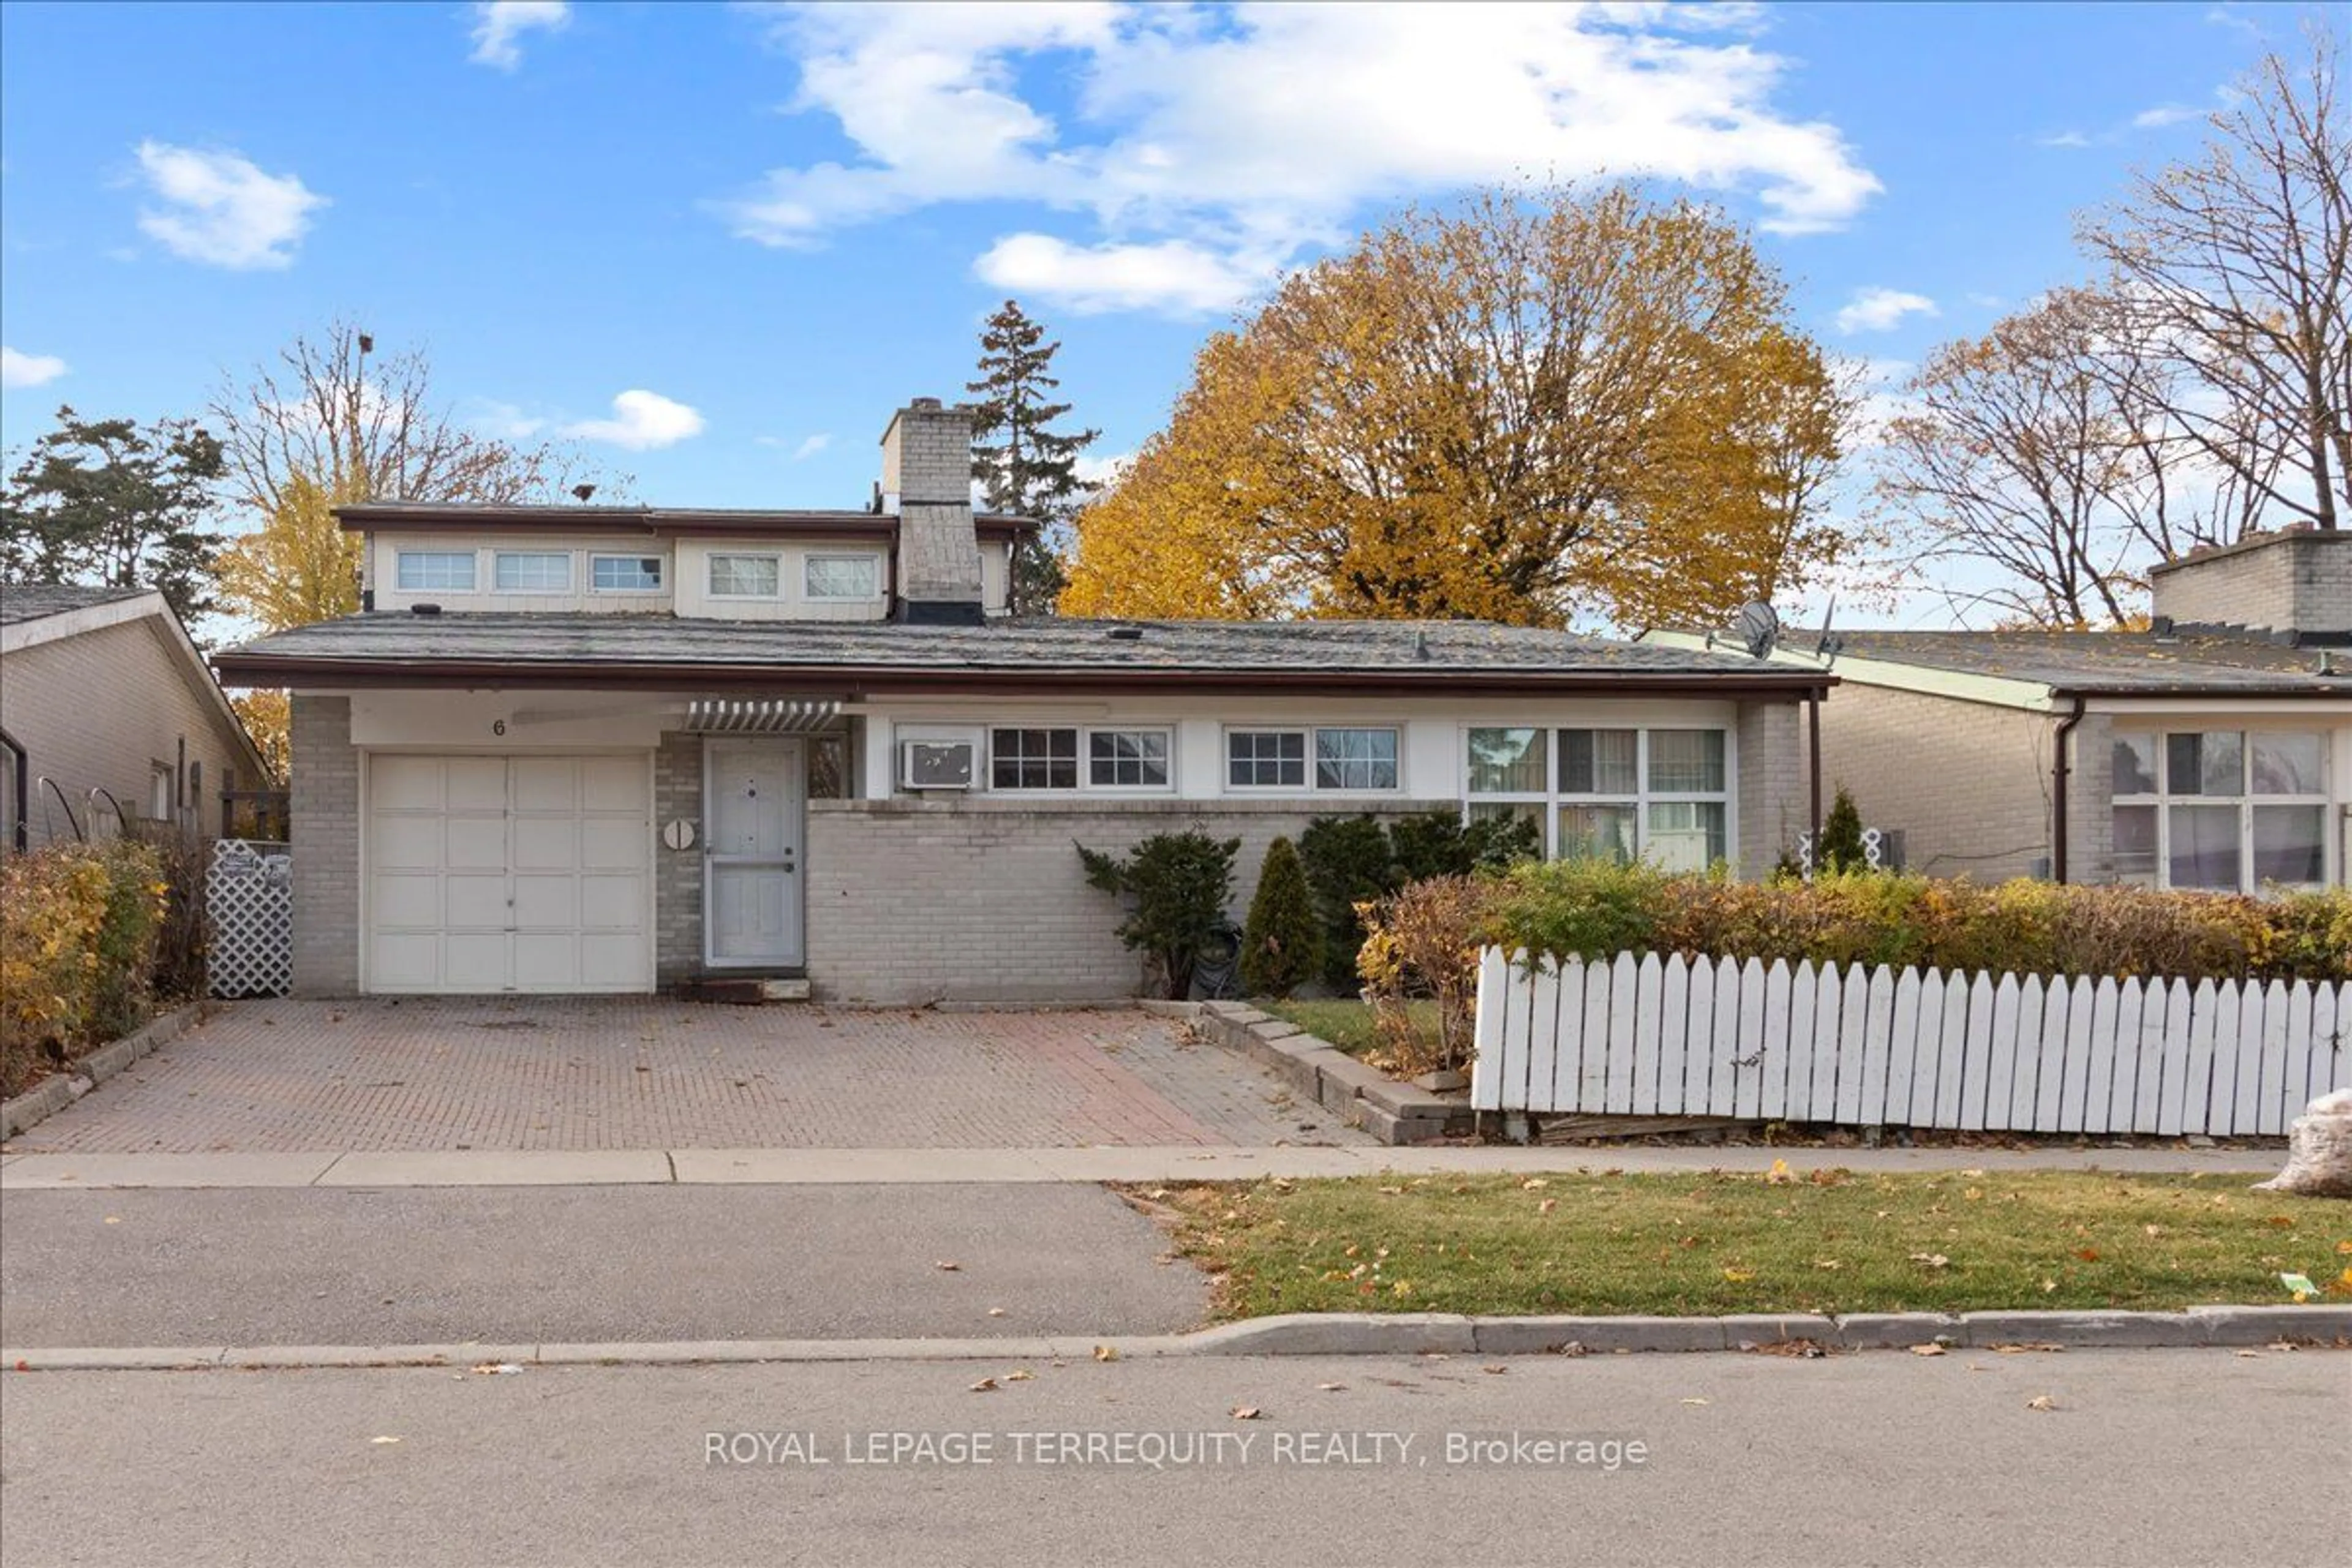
[[1311, 1333], [52, 1095], [1396, 1113]]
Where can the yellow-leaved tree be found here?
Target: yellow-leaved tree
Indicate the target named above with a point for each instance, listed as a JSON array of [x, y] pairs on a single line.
[[1533, 411], [299, 565]]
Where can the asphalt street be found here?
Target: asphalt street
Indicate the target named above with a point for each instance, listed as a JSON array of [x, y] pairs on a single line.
[[2140, 1458], [315, 1266]]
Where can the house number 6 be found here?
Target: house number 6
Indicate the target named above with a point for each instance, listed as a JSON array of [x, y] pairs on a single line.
[[498, 726]]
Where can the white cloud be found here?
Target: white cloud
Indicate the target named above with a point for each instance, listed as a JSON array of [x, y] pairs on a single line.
[[221, 209], [811, 446], [28, 370], [505, 420], [2165, 115], [498, 24], [1174, 274], [1882, 309], [2064, 138], [641, 421], [1215, 142]]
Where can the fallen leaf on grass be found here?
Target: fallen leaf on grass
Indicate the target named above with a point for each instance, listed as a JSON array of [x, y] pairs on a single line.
[[1779, 1176], [985, 1385], [1022, 1376], [1533, 1183], [1392, 1192], [2042, 1402], [1246, 1413], [1495, 1371], [1740, 1275], [1547, 1205], [1932, 1259], [1105, 1353]]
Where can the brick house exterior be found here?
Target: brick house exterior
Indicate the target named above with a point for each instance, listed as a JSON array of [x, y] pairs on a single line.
[[104, 700], [2244, 680], [583, 749]]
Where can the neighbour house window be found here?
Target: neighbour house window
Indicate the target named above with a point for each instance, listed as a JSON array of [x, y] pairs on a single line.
[[743, 576], [1033, 759], [1613, 794], [2227, 810], [1355, 759], [531, 572], [1126, 759], [159, 790], [1265, 759], [842, 577], [428, 570], [626, 573]]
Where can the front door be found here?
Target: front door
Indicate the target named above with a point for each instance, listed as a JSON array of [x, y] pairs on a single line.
[[751, 853]]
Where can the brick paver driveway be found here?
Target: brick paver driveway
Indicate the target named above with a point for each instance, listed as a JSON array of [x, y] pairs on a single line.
[[269, 1077]]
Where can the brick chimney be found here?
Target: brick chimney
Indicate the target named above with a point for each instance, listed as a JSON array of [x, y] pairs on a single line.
[[926, 480], [2293, 586]]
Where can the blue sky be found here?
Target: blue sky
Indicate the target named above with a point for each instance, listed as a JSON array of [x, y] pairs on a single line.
[[761, 228]]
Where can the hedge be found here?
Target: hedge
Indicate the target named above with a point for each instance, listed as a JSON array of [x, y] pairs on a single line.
[[78, 925]]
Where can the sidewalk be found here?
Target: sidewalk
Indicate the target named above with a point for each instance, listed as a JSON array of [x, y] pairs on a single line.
[[804, 1167]]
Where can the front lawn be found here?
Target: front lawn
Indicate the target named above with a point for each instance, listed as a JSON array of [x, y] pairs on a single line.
[[1686, 1244], [1347, 1024]]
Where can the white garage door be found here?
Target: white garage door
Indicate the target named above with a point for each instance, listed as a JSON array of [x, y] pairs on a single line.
[[495, 874]]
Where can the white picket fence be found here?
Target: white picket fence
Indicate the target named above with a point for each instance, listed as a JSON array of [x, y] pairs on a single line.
[[1869, 1048]]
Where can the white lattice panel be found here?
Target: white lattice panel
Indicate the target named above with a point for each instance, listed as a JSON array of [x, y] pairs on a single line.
[[249, 904]]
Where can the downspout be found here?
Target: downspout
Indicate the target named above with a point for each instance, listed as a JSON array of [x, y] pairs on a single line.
[[1813, 716], [18, 806], [2061, 771]]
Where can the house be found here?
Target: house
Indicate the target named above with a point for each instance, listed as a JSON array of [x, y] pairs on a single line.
[[585, 748], [108, 712], [2212, 751]]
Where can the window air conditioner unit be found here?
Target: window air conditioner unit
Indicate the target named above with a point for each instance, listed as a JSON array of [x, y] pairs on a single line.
[[936, 765]]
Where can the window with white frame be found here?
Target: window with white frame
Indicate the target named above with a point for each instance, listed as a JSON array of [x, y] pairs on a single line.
[[1607, 793], [2223, 810], [841, 577], [744, 576], [1265, 759], [1126, 759], [435, 571], [1355, 759], [626, 573], [1033, 759], [531, 572]]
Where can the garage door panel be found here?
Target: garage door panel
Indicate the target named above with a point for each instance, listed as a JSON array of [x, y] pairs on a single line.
[[614, 843], [475, 903], [615, 783], [609, 903], [475, 963], [544, 784], [406, 901], [407, 842], [405, 961], [542, 902], [475, 783], [491, 874], [474, 843], [546, 843]]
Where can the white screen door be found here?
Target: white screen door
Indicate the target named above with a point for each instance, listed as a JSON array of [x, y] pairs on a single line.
[[752, 852]]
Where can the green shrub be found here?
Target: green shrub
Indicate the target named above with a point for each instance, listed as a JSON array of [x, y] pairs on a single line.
[[1180, 883], [1282, 946], [1347, 861], [1841, 846], [78, 929]]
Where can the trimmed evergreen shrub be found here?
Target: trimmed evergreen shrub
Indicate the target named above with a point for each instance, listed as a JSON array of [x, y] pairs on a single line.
[[1841, 847], [1282, 946], [1347, 862], [1180, 883]]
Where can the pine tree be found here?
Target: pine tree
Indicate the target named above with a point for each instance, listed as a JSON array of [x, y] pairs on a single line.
[[1025, 467], [1841, 849], [1282, 946]]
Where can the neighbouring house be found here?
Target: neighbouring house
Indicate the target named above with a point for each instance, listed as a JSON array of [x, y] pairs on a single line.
[[571, 749], [107, 714], [2212, 751]]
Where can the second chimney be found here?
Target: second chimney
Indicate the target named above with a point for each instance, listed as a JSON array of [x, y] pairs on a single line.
[[927, 476]]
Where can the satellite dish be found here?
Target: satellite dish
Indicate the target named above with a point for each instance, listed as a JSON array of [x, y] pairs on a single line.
[[1757, 626]]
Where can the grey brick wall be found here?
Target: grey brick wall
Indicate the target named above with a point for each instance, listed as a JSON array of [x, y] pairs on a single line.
[[97, 711], [326, 827], [677, 874], [2278, 581], [1969, 783], [912, 901], [1775, 804]]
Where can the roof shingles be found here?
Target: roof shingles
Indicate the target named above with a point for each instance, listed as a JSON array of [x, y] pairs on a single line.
[[2122, 663]]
